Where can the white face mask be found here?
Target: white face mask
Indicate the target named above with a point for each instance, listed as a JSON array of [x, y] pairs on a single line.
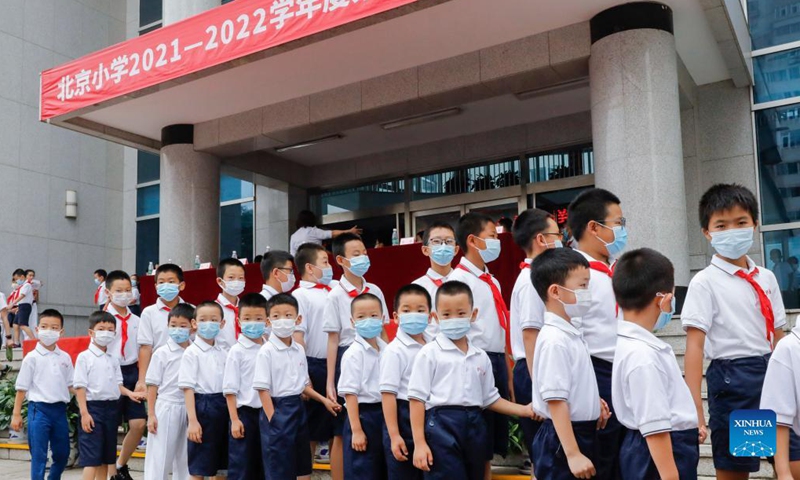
[[283, 327], [233, 287], [583, 302], [48, 337], [289, 283], [103, 338], [122, 299]]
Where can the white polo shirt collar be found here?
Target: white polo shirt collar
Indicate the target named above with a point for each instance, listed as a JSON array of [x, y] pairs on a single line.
[[173, 347], [268, 292], [556, 321], [225, 302], [446, 344], [636, 332], [163, 306], [201, 344], [96, 350], [42, 350], [278, 343], [730, 268], [472, 268], [349, 287], [247, 343], [364, 343]]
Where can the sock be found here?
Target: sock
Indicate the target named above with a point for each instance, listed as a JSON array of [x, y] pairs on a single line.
[[119, 466]]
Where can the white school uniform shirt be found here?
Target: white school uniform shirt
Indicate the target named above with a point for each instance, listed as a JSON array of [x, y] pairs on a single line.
[[130, 354], [443, 375], [137, 297], [202, 367], [527, 311], [361, 371], [100, 296], [281, 369], [163, 372], [227, 336], [429, 283], [46, 376], [599, 325], [240, 367], [727, 309], [312, 302], [25, 294], [268, 292], [3, 303], [650, 394], [337, 314], [99, 373], [781, 392], [396, 362], [308, 235], [562, 370], [153, 326], [486, 332]]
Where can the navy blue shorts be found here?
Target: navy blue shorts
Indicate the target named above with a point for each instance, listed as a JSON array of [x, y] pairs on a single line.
[[497, 423], [99, 447], [211, 456], [339, 421], [284, 440], [609, 439], [401, 470], [549, 460], [369, 464], [636, 462], [128, 409], [320, 420], [523, 390], [244, 454], [23, 315], [459, 440]]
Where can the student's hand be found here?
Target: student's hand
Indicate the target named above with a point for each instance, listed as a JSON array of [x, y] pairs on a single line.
[[333, 407], [152, 424], [526, 411], [423, 458], [137, 397], [359, 442], [237, 429], [355, 230], [330, 392], [703, 432], [605, 414], [195, 432], [141, 387], [399, 449], [87, 423], [16, 423], [580, 466], [511, 397]]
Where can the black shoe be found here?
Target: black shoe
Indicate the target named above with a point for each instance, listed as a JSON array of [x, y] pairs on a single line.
[[123, 474]]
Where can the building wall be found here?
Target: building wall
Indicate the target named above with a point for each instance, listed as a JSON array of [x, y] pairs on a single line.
[[38, 163]]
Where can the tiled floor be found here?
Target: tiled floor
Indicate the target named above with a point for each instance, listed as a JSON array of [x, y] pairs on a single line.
[[19, 470]]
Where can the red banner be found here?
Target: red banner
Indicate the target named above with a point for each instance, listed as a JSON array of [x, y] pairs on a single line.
[[213, 37]]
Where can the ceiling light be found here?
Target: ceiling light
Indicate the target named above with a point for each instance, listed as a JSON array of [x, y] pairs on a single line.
[[309, 143], [561, 87], [425, 117]]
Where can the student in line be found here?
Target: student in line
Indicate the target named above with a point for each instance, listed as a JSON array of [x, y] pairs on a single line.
[[439, 244], [100, 297], [231, 281], [277, 268], [22, 306]]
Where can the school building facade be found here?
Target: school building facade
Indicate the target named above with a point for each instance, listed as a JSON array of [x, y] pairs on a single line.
[[232, 116]]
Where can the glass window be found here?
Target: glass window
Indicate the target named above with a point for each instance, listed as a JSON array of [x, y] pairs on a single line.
[[150, 11], [147, 201], [776, 76], [376, 229], [557, 202], [380, 194], [783, 251], [502, 214], [450, 218], [148, 167], [146, 244], [232, 188], [773, 22], [561, 164], [236, 229], [778, 140], [501, 174]]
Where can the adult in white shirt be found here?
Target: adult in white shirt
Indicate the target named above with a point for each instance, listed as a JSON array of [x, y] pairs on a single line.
[[307, 231]]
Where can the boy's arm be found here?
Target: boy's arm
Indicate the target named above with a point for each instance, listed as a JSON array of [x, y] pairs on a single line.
[[660, 446], [503, 406], [16, 416], [266, 401], [194, 431], [237, 427], [152, 421], [695, 341], [359, 437], [389, 403], [145, 353], [333, 350], [782, 462], [300, 338], [579, 464], [529, 336], [87, 422], [423, 458]]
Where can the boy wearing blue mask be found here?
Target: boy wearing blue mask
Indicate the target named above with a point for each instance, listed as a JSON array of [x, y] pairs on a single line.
[[438, 244], [734, 313], [477, 237], [595, 220], [452, 383], [351, 255], [231, 280], [652, 398], [412, 312], [200, 378], [166, 409], [153, 331]]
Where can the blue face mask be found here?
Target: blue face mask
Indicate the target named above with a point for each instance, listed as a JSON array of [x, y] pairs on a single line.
[[664, 317], [359, 265], [208, 330], [96, 282], [327, 275], [369, 327], [443, 254], [733, 243], [253, 330], [168, 291], [22, 282], [179, 335], [492, 250], [455, 328], [620, 240], [413, 323]]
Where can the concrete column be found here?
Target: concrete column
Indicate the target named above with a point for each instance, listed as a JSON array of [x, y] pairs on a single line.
[[189, 200], [177, 10], [636, 126]]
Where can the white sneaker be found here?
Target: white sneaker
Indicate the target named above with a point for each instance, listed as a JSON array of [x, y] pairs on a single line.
[[323, 455], [142, 444]]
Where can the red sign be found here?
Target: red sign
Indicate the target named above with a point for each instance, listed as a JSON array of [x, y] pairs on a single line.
[[213, 37], [561, 216]]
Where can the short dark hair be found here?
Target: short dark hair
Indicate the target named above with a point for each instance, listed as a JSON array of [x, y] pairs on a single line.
[[506, 223], [182, 310], [528, 225], [453, 288], [169, 267], [29, 271], [553, 266], [101, 317], [365, 297], [258, 258], [53, 313], [427, 234], [589, 205], [210, 303], [282, 299], [115, 275], [272, 260], [639, 275], [472, 223], [252, 300], [306, 218], [18, 272], [339, 243], [307, 253], [99, 272], [411, 289], [724, 196], [228, 262]]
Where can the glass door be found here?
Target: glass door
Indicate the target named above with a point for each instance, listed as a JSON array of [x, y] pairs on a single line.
[[424, 219]]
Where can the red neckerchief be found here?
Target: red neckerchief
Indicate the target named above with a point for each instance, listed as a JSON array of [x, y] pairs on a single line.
[[124, 323], [503, 316], [436, 281], [237, 327], [524, 265], [764, 303], [322, 286], [97, 294], [354, 292]]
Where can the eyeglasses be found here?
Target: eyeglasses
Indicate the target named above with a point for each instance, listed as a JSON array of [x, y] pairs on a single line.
[[285, 269], [621, 222], [435, 242]]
